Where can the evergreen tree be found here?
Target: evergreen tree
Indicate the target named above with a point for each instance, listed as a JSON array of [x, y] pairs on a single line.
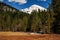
[[56, 8]]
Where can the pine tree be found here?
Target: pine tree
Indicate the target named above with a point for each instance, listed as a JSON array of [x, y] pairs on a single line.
[[56, 8]]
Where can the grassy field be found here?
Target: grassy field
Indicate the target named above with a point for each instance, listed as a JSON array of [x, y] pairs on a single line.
[[27, 36]]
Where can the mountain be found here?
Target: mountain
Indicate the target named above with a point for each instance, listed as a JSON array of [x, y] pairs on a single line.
[[33, 7], [29, 9], [5, 7]]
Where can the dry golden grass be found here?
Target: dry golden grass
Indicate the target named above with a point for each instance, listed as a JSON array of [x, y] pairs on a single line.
[[27, 36]]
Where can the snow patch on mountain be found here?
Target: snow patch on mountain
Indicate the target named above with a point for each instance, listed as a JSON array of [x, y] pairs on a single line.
[[33, 7]]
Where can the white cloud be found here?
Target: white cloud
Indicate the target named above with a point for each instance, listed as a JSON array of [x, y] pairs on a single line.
[[1, 0], [41, 0], [20, 1]]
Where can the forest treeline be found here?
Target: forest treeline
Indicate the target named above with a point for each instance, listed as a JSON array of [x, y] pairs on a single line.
[[21, 21], [45, 21], [56, 8]]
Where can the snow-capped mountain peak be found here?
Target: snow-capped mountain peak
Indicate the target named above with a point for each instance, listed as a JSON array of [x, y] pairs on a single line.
[[33, 7]]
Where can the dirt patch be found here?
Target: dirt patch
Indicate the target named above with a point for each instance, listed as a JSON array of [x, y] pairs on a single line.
[[17, 36]]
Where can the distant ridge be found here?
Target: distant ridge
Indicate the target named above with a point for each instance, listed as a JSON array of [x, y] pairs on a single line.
[[27, 10], [2, 4]]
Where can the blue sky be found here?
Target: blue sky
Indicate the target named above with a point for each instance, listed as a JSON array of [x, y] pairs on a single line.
[[21, 4]]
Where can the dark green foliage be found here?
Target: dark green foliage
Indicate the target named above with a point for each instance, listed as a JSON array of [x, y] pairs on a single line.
[[21, 21], [56, 8]]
